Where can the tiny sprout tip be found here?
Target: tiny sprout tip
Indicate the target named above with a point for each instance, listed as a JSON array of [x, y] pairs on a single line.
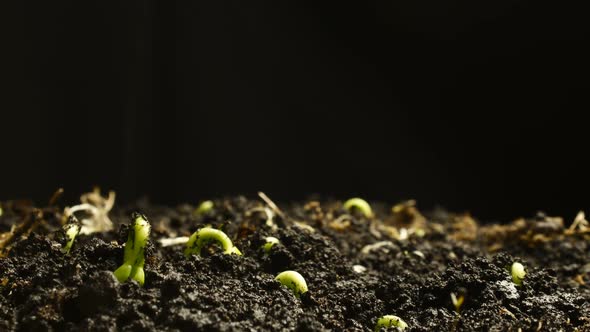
[[71, 229], [204, 207], [270, 242], [360, 205], [518, 273]]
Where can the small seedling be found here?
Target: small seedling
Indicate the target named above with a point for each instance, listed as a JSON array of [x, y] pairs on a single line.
[[270, 241], [360, 205], [390, 321], [518, 273], [134, 259], [457, 302], [71, 230], [204, 207], [206, 235], [294, 281]]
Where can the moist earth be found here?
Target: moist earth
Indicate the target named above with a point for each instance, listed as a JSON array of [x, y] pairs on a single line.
[[398, 262]]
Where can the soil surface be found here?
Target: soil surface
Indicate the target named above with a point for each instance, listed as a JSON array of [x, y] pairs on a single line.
[[399, 262]]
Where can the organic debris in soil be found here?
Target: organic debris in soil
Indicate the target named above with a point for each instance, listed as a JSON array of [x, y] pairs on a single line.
[[437, 271]]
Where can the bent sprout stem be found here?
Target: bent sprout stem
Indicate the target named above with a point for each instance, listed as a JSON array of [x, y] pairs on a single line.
[[390, 321], [134, 259], [518, 273], [71, 230], [294, 281], [206, 235], [359, 204]]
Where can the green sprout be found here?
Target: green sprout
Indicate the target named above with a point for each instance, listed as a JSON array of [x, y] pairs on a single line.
[[294, 281], [71, 230], [205, 235], [204, 207], [134, 258], [270, 241], [360, 205], [518, 273], [457, 302], [390, 321]]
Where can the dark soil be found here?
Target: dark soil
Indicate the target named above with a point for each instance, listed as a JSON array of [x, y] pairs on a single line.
[[412, 277]]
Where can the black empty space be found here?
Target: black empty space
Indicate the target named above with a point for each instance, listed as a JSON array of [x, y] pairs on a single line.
[[475, 107]]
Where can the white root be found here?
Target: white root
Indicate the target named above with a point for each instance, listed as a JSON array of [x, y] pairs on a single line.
[[368, 248], [97, 208], [173, 241]]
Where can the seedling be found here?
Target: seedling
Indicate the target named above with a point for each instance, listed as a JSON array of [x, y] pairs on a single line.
[[457, 302], [518, 273], [71, 230], [206, 235], [204, 207], [134, 259], [360, 205], [270, 241], [390, 321], [294, 281]]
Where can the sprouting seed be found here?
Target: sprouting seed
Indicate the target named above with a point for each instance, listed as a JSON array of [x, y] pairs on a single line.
[[204, 207], [134, 258], [518, 273], [390, 321], [457, 301], [71, 230], [206, 235], [359, 204], [270, 241], [294, 281]]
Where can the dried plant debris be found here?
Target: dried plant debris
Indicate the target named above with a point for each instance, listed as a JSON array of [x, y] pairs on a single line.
[[340, 269], [21, 229]]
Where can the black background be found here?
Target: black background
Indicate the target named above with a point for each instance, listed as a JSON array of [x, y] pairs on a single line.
[[470, 106]]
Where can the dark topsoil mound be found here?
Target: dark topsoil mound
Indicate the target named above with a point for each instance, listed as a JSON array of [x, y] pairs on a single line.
[[418, 262]]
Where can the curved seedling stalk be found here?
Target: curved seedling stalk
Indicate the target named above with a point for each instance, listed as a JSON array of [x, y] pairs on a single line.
[[294, 281], [360, 205], [205, 235]]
